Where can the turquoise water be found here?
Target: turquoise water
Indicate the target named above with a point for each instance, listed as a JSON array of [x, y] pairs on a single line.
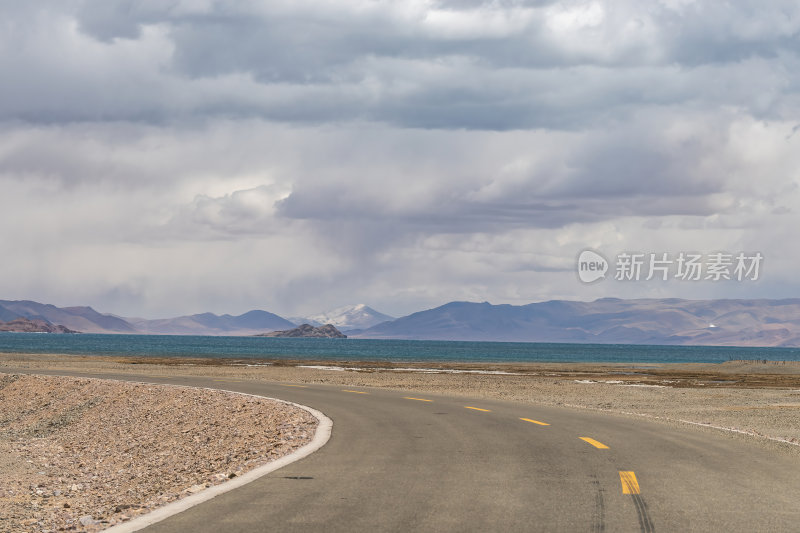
[[377, 350]]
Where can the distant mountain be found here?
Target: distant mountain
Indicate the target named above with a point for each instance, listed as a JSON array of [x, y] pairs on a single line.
[[25, 325], [327, 331], [608, 320], [350, 317], [84, 319], [250, 323], [87, 320]]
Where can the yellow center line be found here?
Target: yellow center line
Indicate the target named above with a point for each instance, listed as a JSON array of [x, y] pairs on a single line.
[[477, 409], [355, 391], [298, 386], [418, 399], [228, 380], [629, 483], [598, 445], [535, 422]]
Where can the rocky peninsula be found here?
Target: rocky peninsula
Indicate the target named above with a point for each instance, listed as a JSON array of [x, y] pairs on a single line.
[[25, 325]]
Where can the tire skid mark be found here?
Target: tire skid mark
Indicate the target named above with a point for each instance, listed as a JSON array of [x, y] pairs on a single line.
[[599, 517], [645, 522]]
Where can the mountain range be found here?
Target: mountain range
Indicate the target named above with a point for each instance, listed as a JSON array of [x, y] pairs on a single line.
[[757, 322], [83, 319], [607, 321], [250, 323], [87, 320]]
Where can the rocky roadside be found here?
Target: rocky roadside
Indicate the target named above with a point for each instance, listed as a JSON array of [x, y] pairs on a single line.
[[85, 454]]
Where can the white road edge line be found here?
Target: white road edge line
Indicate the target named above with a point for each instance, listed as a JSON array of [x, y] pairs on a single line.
[[689, 422], [321, 437]]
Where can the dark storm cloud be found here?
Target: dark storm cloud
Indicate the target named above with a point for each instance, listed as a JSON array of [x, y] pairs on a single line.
[[716, 32], [116, 19], [634, 169], [494, 66]]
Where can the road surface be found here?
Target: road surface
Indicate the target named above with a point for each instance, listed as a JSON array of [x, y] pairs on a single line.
[[422, 462]]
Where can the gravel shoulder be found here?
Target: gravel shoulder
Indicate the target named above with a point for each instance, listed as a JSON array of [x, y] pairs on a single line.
[[83, 454]]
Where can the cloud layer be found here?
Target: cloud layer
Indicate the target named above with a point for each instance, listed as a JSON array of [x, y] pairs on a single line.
[[160, 158]]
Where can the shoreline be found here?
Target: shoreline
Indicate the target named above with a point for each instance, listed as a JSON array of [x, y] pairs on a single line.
[[736, 373]]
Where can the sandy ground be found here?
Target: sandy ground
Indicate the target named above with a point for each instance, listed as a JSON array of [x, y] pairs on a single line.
[[84, 454]]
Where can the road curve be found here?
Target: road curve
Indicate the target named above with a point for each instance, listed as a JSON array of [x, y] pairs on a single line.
[[412, 462]]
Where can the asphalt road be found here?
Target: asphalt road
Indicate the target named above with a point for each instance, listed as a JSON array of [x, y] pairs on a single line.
[[411, 462]]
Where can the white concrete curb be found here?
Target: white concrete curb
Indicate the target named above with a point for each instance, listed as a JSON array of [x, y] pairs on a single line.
[[321, 437]]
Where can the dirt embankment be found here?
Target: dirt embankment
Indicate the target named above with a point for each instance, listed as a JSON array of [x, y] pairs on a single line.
[[84, 454]]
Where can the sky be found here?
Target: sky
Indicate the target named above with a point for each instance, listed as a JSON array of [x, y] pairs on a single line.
[[167, 157]]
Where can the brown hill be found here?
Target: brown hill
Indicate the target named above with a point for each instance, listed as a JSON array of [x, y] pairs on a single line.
[[24, 325]]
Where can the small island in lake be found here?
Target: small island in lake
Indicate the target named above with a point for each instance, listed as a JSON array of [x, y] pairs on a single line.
[[327, 331]]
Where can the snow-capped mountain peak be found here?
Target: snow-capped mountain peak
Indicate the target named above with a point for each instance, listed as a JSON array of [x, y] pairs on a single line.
[[359, 316]]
